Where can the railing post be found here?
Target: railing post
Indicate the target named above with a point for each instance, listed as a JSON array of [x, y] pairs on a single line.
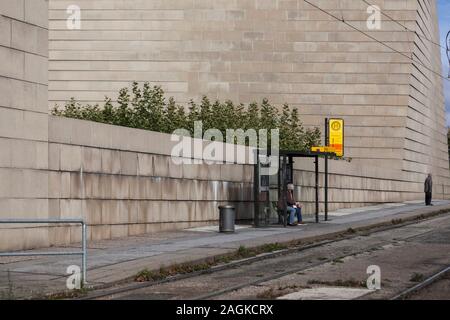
[[327, 143], [317, 188], [84, 252]]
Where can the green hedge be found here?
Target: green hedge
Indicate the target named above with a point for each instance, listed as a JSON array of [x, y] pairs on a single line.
[[147, 108]]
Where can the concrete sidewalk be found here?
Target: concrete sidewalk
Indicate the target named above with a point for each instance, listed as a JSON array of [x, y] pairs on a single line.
[[113, 261]]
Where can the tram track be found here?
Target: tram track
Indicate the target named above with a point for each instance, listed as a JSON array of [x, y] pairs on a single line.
[[231, 265], [135, 288], [422, 285]]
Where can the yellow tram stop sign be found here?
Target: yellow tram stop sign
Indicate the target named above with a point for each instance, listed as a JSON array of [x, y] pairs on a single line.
[[335, 142], [336, 136]]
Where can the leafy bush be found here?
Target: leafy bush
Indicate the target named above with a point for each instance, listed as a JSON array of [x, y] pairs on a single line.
[[147, 108]]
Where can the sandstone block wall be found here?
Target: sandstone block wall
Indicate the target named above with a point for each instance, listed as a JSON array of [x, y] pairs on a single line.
[[425, 143], [23, 119], [124, 182]]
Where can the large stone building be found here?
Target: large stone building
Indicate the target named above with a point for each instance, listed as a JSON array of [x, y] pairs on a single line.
[[23, 118], [123, 182], [285, 50]]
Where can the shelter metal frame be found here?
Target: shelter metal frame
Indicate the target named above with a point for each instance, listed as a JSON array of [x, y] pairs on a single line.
[[286, 161]]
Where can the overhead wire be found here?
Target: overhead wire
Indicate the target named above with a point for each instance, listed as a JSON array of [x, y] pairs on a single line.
[[405, 27], [375, 39]]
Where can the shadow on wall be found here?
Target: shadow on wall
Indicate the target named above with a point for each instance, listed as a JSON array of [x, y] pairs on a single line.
[[241, 196]]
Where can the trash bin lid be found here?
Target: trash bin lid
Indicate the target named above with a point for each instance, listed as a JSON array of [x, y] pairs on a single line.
[[226, 207]]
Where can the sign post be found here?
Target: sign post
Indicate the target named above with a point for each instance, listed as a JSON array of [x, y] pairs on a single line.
[[334, 144], [326, 167]]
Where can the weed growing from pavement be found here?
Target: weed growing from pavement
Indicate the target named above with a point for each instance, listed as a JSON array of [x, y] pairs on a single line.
[[243, 252], [417, 277], [351, 283], [337, 261], [67, 295], [291, 287], [9, 295], [271, 293]]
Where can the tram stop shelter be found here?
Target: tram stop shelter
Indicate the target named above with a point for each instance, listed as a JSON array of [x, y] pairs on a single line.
[[268, 189]]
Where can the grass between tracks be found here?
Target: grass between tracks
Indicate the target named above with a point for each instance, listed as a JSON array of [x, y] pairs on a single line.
[[184, 268]]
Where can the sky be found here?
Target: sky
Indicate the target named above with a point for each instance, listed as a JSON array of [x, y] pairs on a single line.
[[444, 22]]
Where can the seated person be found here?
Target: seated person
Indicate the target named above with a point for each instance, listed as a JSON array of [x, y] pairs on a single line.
[[293, 207]]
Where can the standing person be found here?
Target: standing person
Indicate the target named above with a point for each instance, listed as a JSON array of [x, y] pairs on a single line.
[[428, 189]]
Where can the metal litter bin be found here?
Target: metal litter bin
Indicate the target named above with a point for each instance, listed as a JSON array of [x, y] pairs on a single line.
[[227, 216]]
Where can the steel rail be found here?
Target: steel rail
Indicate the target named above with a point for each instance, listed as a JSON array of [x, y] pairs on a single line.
[[422, 285], [82, 253]]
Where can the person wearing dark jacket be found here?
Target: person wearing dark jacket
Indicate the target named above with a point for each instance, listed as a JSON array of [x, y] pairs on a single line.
[[294, 208], [428, 189]]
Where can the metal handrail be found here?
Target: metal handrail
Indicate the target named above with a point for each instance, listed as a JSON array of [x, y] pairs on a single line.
[[83, 253]]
